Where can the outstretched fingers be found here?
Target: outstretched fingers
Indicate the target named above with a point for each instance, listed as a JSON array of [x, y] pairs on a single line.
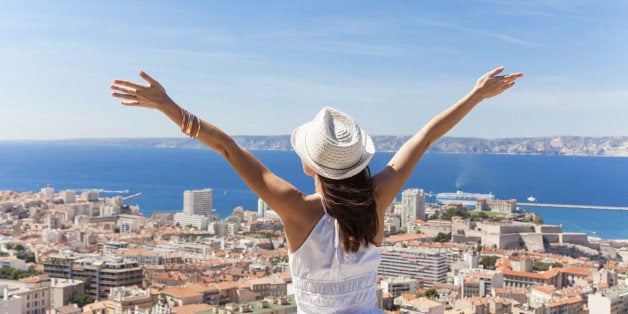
[[149, 79], [124, 89], [128, 84], [495, 71]]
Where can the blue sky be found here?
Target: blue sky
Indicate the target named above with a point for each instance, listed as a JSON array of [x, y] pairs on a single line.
[[264, 67]]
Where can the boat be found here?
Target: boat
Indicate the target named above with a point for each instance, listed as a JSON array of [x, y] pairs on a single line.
[[465, 198], [531, 199]]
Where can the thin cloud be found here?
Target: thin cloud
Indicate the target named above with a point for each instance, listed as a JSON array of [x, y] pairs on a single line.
[[476, 31]]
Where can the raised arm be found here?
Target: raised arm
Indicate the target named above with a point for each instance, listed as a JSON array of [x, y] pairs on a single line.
[[277, 193], [390, 180]]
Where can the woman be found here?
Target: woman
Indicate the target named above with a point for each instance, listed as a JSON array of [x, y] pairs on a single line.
[[333, 235]]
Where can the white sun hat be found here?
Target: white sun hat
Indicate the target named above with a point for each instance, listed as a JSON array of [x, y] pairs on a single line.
[[333, 145]]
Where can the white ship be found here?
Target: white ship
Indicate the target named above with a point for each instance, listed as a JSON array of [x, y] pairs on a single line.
[[531, 199], [465, 198]]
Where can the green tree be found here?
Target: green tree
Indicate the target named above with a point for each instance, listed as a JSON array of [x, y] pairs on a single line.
[[542, 266], [451, 212], [83, 299], [488, 261], [431, 293], [442, 237]]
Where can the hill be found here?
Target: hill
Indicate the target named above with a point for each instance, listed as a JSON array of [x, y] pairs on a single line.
[[559, 145]]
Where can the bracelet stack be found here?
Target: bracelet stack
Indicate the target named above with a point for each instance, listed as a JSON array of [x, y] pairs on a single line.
[[190, 124]]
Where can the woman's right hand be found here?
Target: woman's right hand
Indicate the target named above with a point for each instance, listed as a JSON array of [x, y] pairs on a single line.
[[152, 95], [491, 84]]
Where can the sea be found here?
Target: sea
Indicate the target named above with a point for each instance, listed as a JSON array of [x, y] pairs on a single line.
[[162, 174]]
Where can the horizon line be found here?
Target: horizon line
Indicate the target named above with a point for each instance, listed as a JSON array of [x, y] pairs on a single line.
[[287, 135]]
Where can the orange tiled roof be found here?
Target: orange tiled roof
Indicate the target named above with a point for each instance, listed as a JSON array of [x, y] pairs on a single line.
[[579, 271], [546, 275], [547, 289], [192, 308], [406, 237], [408, 296], [563, 301], [481, 274]]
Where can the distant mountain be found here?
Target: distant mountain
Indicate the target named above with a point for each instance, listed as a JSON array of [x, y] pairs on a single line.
[[559, 145]]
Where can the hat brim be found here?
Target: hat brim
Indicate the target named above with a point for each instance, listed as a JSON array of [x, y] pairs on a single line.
[[297, 139]]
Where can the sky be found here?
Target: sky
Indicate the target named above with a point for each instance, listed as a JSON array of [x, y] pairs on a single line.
[[265, 67]]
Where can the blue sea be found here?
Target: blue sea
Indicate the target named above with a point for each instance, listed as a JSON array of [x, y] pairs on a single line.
[[162, 174]]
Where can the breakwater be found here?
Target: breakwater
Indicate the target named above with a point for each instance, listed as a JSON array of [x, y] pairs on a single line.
[[573, 206]]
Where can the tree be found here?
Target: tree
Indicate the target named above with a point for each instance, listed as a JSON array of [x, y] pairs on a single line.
[[488, 261], [542, 266], [431, 293], [442, 237], [83, 299]]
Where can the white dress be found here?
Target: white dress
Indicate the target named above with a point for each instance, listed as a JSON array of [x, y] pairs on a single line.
[[329, 280]]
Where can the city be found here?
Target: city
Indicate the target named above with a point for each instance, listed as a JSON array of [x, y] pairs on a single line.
[[82, 253]]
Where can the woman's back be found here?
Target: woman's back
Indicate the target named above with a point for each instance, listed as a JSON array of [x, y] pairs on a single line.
[[327, 279]]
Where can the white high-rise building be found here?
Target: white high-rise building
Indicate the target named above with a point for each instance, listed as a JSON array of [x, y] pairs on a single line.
[[413, 202], [198, 202], [264, 211], [262, 207]]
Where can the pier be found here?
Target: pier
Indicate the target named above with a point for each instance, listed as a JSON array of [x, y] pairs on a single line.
[[573, 206], [133, 196]]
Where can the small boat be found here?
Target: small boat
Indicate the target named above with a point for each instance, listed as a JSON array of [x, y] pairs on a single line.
[[531, 199]]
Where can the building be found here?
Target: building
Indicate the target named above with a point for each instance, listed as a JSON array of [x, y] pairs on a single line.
[[101, 273], [199, 222], [198, 202], [573, 304], [13, 262], [62, 291], [262, 207], [67, 309], [32, 294], [479, 283], [10, 303], [264, 211], [501, 206], [90, 196], [427, 264], [266, 286], [142, 256], [613, 301], [420, 306], [399, 285], [124, 300], [112, 246], [526, 280], [413, 206], [68, 196]]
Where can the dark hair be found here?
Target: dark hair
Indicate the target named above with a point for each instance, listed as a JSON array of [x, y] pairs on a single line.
[[351, 201]]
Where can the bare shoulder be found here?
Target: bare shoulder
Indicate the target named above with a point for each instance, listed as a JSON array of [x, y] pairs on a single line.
[[302, 220]]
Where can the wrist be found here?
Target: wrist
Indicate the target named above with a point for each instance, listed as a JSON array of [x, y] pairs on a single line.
[[476, 95]]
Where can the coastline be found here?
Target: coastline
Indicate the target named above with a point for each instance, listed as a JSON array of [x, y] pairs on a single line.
[[606, 146]]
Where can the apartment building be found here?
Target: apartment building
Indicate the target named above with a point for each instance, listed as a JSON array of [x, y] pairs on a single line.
[[427, 264], [100, 273]]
